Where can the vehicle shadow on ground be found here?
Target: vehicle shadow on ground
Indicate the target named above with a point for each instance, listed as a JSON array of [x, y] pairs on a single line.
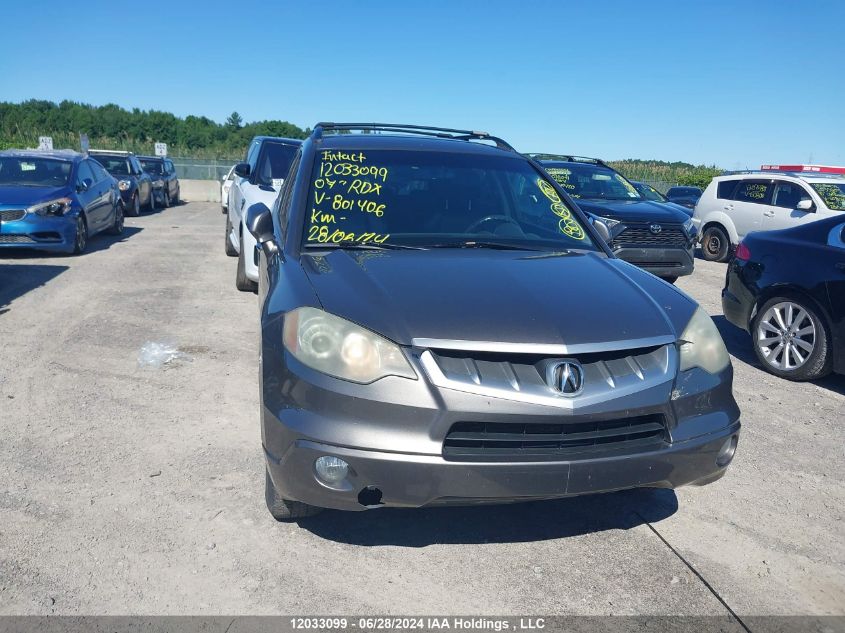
[[739, 343], [96, 243], [18, 279], [513, 523]]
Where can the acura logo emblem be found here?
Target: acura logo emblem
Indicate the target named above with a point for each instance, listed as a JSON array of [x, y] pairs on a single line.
[[655, 228], [567, 377]]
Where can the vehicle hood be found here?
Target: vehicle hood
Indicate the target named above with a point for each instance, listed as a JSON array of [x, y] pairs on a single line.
[[260, 193], [500, 296], [634, 210], [19, 197]]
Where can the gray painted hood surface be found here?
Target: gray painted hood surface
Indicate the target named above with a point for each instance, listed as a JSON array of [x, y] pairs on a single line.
[[501, 296]]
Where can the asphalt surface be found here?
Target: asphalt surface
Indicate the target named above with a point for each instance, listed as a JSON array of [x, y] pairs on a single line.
[[133, 490]]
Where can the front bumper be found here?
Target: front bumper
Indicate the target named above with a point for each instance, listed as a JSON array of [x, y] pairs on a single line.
[[391, 434], [408, 480], [663, 262], [47, 233]]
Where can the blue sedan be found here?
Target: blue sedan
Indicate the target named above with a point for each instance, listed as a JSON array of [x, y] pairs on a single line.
[[55, 201]]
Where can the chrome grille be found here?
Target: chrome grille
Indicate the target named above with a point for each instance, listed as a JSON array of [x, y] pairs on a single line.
[[522, 378]]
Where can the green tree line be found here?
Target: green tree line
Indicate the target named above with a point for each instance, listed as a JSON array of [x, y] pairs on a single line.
[[112, 127], [676, 172]]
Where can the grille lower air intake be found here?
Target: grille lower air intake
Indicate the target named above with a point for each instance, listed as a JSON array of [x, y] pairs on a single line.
[[11, 216], [497, 441]]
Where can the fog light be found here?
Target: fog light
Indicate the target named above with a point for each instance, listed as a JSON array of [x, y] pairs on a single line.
[[726, 453], [331, 470]]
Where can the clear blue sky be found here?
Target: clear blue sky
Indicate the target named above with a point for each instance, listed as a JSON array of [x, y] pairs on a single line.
[[733, 83]]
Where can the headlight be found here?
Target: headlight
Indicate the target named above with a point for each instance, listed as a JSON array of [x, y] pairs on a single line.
[[689, 227], [342, 349], [702, 345], [159, 184], [123, 185], [53, 207]]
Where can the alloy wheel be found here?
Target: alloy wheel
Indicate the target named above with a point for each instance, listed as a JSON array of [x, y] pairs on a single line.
[[786, 336]]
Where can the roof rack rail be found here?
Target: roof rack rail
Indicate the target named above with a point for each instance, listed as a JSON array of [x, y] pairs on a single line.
[[569, 158], [423, 130]]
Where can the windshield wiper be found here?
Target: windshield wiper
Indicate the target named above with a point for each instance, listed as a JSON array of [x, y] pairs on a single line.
[[505, 246], [382, 246]]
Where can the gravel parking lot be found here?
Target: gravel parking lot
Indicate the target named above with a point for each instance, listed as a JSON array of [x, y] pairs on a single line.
[[129, 490]]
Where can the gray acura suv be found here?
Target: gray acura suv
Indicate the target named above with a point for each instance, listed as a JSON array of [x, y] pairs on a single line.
[[441, 324]]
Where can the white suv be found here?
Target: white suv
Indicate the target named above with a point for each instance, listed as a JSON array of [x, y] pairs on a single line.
[[258, 179], [733, 206]]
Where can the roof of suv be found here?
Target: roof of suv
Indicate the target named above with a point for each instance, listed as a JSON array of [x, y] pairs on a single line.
[[400, 136], [278, 139], [66, 154], [112, 152]]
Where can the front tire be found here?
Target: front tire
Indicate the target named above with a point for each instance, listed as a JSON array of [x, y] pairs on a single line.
[[151, 204], [715, 244], [80, 240], [790, 339], [230, 250], [117, 227], [242, 282], [134, 206], [166, 199], [284, 509]]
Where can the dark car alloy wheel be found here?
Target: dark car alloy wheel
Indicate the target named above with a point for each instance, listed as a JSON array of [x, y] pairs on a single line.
[[715, 244], [790, 340], [117, 227], [80, 240]]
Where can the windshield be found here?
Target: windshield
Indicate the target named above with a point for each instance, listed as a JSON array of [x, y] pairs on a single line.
[[275, 163], [591, 181], [33, 172], [434, 199], [115, 165], [153, 166], [833, 194], [649, 193]]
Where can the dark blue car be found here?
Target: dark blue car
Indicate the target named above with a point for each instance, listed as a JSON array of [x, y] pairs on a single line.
[[55, 201]]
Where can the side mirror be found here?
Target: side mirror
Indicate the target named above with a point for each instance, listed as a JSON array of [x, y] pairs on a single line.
[[242, 170], [259, 222], [601, 229], [85, 185], [805, 205]]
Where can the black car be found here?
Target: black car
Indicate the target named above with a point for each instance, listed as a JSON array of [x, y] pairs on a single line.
[[648, 192], [441, 325], [55, 201], [787, 288], [652, 235], [684, 196], [165, 181], [136, 186]]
